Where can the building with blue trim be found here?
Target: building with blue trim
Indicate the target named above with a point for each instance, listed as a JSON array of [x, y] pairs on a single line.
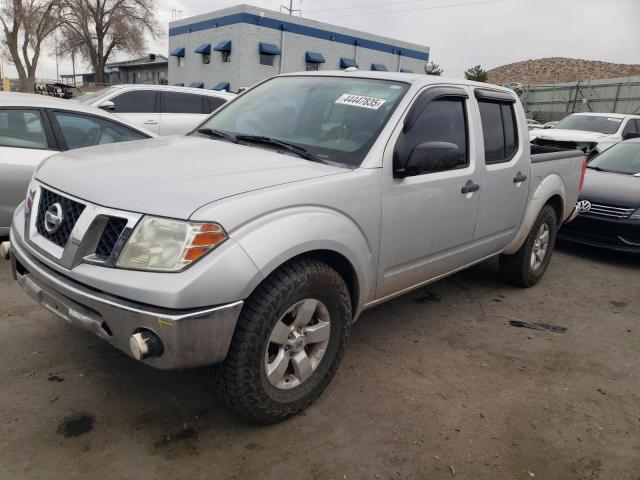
[[239, 46]]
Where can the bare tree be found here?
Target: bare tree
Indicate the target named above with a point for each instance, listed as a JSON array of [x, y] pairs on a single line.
[[96, 29], [26, 24]]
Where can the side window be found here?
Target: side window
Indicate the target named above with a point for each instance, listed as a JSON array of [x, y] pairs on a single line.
[[137, 101], [630, 127], [85, 131], [443, 120], [22, 129], [178, 102], [212, 103], [499, 129], [266, 59]]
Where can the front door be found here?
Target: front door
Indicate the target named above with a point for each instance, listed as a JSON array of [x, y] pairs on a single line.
[[429, 218], [140, 107]]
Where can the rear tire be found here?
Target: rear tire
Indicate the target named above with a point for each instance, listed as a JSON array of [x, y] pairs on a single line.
[[288, 342], [526, 267]]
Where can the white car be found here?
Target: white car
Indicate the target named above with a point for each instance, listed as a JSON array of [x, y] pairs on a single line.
[[592, 133], [34, 127], [163, 109]]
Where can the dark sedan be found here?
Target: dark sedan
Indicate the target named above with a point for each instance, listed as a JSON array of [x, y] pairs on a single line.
[[610, 201]]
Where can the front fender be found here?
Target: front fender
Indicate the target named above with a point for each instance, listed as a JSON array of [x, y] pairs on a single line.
[[275, 238], [547, 188]]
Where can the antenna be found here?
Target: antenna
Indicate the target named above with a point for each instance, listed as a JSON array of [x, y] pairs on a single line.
[[290, 8]]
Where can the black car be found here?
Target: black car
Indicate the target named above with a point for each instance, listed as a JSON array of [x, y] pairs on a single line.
[[610, 201]]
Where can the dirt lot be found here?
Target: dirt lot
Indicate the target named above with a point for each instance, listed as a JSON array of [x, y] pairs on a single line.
[[434, 385]]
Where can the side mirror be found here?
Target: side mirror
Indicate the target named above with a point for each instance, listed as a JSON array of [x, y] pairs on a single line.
[[107, 105], [430, 157], [630, 135]]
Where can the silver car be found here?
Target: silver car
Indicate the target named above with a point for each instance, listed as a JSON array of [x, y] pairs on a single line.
[[34, 127]]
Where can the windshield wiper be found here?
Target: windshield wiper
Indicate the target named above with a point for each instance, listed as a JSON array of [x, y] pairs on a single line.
[[209, 132], [290, 147]]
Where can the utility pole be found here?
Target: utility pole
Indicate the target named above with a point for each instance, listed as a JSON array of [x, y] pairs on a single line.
[[290, 8]]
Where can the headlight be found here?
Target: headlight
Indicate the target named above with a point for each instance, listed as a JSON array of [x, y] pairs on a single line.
[[635, 215], [166, 245]]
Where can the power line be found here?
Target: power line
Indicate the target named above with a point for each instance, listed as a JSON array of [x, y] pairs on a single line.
[[434, 7]]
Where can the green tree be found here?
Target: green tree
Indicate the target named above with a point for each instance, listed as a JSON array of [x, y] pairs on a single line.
[[477, 74]]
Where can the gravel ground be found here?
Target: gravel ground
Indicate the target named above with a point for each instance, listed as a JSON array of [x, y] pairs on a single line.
[[436, 385]]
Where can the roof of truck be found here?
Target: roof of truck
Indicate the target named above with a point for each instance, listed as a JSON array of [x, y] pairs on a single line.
[[610, 115], [414, 78]]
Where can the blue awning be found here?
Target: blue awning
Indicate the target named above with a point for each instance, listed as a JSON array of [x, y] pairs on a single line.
[[222, 86], [178, 84], [223, 46], [178, 52], [269, 49], [378, 67], [205, 48], [406, 70], [314, 57], [348, 62], [196, 85]]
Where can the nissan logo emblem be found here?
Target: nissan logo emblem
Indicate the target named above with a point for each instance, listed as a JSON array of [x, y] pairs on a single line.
[[53, 218], [585, 206]]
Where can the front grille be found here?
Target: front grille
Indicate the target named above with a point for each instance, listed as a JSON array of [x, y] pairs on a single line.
[[609, 211], [112, 231], [71, 211]]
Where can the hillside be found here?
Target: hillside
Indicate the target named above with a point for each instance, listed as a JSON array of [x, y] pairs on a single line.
[[557, 69]]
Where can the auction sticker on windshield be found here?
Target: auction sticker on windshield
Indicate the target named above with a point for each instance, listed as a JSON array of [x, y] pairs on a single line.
[[360, 101]]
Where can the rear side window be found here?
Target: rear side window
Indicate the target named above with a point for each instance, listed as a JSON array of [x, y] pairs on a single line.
[[86, 131], [22, 129], [500, 132], [443, 120], [212, 103], [631, 127], [178, 102], [139, 101]]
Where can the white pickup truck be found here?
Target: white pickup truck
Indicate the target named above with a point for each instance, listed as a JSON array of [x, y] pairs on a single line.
[[253, 243]]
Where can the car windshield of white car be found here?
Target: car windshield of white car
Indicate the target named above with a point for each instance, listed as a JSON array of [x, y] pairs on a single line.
[[621, 158], [590, 123], [333, 119]]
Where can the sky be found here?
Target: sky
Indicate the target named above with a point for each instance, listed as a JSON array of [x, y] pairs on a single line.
[[460, 33]]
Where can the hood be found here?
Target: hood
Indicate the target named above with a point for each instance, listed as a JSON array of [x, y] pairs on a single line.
[[561, 134], [614, 189], [172, 176]]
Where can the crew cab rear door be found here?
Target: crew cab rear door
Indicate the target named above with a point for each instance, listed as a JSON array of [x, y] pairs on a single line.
[[505, 170], [428, 217]]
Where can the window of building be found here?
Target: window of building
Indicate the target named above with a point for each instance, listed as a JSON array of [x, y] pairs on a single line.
[[22, 129], [180, 61], [312, 67], [178, 102], [85, 131], [266, 59], [443, 120], [206, 58], [226, 56], [499, 130], [135, 101]]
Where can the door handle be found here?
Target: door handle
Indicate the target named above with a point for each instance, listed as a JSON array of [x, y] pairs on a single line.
[[470, 187], [519, 178], [150, 122]]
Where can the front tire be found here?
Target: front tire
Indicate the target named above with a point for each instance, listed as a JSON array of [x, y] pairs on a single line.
[[288, 342], [526, 267]]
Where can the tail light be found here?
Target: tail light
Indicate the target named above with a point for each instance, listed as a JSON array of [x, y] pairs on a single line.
[[584, 170]]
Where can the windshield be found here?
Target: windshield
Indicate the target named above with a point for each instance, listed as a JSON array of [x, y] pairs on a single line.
[[621, 158], [90, 97], [333, 119], [590, 123]]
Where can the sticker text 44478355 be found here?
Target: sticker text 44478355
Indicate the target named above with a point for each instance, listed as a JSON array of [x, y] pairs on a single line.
[[360, 101]]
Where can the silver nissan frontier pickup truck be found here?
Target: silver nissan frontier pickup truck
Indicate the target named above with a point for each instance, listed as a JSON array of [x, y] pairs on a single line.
[[253, 243]]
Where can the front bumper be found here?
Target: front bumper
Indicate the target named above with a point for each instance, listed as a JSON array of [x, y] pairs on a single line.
[[622, 235], [190, 338]]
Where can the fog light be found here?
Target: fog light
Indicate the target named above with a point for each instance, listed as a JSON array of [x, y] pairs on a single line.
[[145, 344]]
